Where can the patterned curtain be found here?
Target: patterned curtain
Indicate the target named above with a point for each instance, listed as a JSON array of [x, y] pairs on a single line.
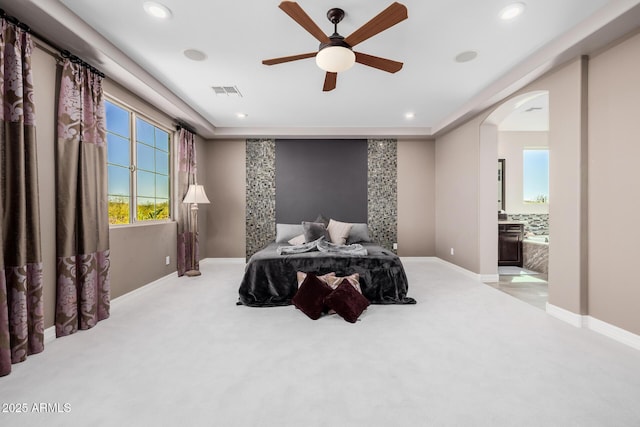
[[21, 307], [82, 219], [186, 176]]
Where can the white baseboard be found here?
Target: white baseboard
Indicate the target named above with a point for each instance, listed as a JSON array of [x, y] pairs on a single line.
[[484, 278], [567, 316], [49, 334], [417, 258], [459, 269], [489, 278], [614, 332], [223, 261], [584, 321]]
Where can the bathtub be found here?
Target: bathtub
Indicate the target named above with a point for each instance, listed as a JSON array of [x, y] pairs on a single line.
[[538, 239], [535, 253]]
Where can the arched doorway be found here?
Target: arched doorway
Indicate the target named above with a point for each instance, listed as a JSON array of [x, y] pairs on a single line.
[[514, 139]]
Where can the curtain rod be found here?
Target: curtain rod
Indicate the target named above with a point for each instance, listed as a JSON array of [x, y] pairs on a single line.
[[14, 21], [185, 126], [66, 54], [62, 52]]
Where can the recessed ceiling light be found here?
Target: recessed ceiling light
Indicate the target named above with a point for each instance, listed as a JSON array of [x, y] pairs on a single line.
[[466, 56], [156, 10], [410, 115], [512, 11], [242, 115], [195, 54]]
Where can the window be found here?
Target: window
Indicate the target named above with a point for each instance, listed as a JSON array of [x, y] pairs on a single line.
[[535, 177], [138, 156]]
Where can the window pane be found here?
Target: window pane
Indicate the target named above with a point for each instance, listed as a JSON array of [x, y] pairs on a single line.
[[145, 157], [162, 186], [146, 184], [162, 162], [117, 150], [146, 209], [117, 119], [535, 176], [162, 208], [162, 140], [144, 132], [118, 180], [118, 210]]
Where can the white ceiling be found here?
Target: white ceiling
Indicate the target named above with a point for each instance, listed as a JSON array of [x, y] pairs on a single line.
[[146, 55]]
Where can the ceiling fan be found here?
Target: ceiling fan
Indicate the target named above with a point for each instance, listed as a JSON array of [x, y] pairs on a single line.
[[336, 52]]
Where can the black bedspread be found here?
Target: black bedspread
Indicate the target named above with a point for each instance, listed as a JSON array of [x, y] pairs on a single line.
[[270, 279]]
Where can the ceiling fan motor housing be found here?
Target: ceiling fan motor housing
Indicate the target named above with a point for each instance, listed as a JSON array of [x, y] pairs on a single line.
[[335, 56]]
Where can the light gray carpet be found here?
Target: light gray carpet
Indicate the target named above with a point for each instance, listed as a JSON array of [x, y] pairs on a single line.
[[182, 353]]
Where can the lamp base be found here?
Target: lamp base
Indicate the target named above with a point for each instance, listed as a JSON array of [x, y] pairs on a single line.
[[192, 273]]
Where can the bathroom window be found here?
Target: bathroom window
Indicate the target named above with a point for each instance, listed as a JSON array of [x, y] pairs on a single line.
[[535, 179]]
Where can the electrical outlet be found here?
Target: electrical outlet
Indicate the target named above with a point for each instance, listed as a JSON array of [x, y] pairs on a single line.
[[452, 251], [167, 260], [395, 246]]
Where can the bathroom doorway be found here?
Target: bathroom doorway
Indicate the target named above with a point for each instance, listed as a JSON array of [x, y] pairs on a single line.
[[522, 129]]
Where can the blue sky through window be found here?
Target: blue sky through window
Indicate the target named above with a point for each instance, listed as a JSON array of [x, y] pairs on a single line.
[[535, 175]]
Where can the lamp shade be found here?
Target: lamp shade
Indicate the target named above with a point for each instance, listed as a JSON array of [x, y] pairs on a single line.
[[335, 59], [196, 194]]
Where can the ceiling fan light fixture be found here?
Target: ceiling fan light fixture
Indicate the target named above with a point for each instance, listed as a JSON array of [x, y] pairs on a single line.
[[335, 59]]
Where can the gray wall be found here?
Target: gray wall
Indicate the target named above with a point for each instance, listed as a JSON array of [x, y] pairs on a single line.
[[225, 183], [320, 176], [614, 151]]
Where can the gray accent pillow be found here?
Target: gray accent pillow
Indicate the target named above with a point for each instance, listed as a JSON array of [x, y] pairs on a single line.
[[286, 232], [314, 231], [321, 218], [359, 233]]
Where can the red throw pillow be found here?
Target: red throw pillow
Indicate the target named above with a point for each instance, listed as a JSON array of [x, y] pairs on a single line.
[[347, 301], [310, 296]]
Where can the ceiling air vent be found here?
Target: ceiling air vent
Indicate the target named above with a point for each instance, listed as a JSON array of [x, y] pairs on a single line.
[[227, 90]]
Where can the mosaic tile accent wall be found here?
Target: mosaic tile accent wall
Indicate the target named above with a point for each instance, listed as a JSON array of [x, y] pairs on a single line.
[[537, 224], [260, 194], [382, 188], [382, 197]]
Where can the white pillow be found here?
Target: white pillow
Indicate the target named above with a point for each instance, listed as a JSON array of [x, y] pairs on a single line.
[[339, 231], [285, 232], [298, 240]]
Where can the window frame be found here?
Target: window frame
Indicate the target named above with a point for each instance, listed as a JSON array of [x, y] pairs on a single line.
[[135, 113]]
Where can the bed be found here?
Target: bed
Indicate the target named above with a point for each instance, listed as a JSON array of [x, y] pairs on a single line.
[[270, 278]]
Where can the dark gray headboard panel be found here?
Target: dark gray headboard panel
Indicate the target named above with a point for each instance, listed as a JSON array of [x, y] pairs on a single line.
[[321, 176]]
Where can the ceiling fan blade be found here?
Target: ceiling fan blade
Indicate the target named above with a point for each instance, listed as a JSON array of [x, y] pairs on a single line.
[[386, 19], [292, 9], [274, 61], [380, 63], [330, 81]]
